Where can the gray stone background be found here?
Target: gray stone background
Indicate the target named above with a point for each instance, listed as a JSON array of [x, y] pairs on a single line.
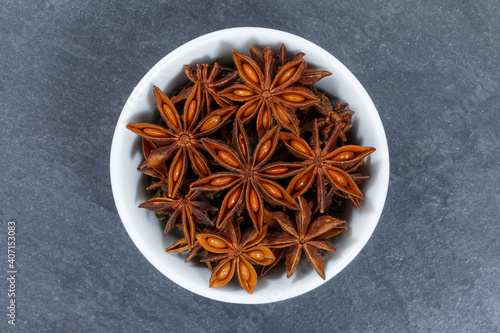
[[431, 68]]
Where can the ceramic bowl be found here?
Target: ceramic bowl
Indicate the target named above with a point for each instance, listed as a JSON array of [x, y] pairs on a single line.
[[129, 185]]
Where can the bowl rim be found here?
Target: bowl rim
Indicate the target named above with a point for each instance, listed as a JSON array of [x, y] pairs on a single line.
[[310, 47]]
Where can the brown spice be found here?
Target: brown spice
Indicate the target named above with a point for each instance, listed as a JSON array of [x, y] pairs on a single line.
[[270, 97]]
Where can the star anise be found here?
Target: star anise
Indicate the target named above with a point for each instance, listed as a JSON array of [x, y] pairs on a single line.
[[211, 82], [303, 236], [159, 171], [269, 95], [236, 254], [187, 208], [339, 114], [278, 253], [181, 245], [358, 178], [309, 76], [181, 137], [313, 206], [248, 176], [321, 163]]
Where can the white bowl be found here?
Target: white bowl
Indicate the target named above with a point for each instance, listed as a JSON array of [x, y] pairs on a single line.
[[129, 185]]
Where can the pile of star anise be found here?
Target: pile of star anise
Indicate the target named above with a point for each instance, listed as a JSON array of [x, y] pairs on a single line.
[[249, 163]]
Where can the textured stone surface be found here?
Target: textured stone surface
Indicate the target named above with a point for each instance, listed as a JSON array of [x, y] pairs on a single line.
[[433, 263]]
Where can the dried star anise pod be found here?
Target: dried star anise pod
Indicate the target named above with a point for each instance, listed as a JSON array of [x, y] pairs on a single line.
[[159, 171], [358, 178], [181, 245], [187, 208], [236, 253], [321, 163], [181, 137], [211, 82], [248, 176], [303, 236], [332, 116], [309, 76], [271, 96], [278, 253], [324, 219]]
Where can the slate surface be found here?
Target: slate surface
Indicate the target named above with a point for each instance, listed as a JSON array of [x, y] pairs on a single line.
[[433, 263]]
